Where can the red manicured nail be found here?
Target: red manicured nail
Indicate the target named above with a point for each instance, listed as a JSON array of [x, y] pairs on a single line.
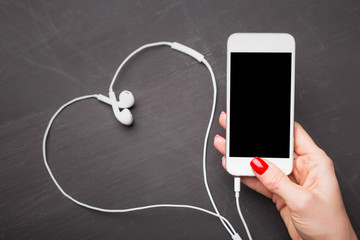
[[223, 112], [259, 165], [217, 135]]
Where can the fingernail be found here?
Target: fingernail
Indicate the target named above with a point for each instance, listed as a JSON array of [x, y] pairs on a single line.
[[259, 165], [223, 112], [217, 135], [223, 158]]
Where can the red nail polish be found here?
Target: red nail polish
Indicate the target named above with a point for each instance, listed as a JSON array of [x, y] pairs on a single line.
[[217, 135], [259, 165], [224, 112]]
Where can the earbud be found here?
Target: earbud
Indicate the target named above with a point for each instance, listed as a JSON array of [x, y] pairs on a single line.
[[124, 116], [126, 100]]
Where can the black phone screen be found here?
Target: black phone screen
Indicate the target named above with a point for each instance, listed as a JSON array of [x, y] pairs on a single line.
[[260, 101]]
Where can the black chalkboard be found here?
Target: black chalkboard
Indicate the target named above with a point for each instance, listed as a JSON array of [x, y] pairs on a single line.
[[53, 51]]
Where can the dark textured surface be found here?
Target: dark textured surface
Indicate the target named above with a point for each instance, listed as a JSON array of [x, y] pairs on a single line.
[[53, 51]]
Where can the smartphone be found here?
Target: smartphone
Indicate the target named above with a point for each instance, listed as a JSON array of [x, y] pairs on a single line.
[[260, 101]]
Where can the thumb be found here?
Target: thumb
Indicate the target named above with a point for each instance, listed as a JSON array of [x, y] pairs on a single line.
[[276, 180]]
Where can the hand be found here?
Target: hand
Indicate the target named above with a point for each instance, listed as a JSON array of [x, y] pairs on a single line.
[[309, 200]]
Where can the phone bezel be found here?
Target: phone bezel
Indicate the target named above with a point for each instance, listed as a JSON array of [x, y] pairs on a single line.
[[259, 42]]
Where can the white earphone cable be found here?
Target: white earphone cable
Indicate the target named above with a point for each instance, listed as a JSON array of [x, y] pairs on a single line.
[[237, 188], [133, 54], [210, 121], [207, 137], [98, 208], [223, 220], [242, 218]]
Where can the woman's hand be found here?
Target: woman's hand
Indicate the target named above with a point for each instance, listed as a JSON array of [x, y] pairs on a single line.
[[309, 200]]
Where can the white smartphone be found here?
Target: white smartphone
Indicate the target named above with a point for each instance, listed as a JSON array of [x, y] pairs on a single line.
[[260, 101]]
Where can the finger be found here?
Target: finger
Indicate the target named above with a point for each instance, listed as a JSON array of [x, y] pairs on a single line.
[[297, 173], [303, 143], [222, 119], [257, 186], [276, 181], [220, 143], [223, 162], [279, 202]]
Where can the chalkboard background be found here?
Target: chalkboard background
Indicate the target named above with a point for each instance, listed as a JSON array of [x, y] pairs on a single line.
[[53, 51]]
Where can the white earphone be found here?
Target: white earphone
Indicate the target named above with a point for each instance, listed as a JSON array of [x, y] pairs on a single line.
[[126, 100], [124, 116]]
